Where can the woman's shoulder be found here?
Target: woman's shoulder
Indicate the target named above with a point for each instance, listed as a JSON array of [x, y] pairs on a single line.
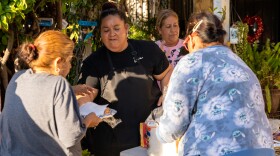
[[97, 55], [43, 79], [214, 51], [142, 43], [61, 84], [158, 42], [20, 72], [146, 47], [216, 48], [51, 79], [18, 75], [181, 42]]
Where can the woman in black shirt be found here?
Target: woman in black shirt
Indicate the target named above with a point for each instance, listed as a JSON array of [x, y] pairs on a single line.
[[125, 73]]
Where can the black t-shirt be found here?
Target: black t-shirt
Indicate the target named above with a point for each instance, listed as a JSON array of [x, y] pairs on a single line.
[[134, 100], [97, 64]]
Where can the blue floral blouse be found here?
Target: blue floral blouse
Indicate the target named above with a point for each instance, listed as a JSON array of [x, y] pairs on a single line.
[[214, 103]]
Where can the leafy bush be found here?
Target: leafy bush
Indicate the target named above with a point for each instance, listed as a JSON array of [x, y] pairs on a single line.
[[264, 60], [85, 152], [144, 30]]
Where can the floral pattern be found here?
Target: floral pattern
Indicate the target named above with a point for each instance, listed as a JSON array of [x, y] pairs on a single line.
[[229, 111], [174, 53]]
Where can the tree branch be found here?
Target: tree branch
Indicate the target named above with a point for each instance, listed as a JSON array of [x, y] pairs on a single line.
[[9, 47], [7, 52]]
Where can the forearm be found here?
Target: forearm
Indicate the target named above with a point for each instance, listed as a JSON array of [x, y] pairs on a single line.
[[176, 119], [91, 120], [86, 121], [164, 82]]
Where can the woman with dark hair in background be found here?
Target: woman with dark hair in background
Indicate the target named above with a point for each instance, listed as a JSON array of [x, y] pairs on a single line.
[[41, 114], [125, 72], [214, 101]]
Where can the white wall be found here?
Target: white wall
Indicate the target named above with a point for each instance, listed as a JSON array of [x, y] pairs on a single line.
[[219, 4]]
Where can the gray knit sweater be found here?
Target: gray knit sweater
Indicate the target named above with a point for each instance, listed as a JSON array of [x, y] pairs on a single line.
[[40, 117]]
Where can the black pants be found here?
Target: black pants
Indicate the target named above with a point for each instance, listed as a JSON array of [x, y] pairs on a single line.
[[105, 141]]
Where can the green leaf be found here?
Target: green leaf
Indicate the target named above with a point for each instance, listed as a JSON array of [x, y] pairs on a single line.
[[13, 15], [268, 98], [5, 24], [4, 2], [4, 40], [64, 8], [22, 5], [8, 16], [276, 68], [278, 51], [22, 15], [276, 47], [10, 8], [85, 152]]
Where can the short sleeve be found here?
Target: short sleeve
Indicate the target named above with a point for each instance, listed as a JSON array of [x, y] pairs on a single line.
[[70, 128], [89, 74], [161, 62]]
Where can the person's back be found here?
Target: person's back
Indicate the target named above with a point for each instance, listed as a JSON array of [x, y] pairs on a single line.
[[41, 115], [32, 130], [214, 101], [230, 110]]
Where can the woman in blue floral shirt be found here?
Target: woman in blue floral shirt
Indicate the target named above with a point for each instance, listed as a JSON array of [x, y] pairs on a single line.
[[214, 101]]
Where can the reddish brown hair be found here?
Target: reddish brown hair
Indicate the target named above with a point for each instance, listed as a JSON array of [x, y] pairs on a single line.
[[47, 47]]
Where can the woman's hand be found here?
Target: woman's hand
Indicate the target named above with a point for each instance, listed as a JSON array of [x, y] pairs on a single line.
[[162, 97], [91, 120], [78, 89], [83, 88], [85, 93], [107, 111], [160, 100], [86, 97], [83, 98]]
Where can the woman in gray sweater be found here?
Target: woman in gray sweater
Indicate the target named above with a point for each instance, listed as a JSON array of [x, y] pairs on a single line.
[[41, 115]]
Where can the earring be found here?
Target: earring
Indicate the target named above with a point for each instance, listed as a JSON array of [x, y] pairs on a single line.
[[57, 70]]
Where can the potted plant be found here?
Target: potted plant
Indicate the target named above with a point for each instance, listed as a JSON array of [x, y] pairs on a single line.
[[264, 60]]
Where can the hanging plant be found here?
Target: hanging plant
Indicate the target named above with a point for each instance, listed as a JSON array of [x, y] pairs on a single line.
[[256, 23]]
